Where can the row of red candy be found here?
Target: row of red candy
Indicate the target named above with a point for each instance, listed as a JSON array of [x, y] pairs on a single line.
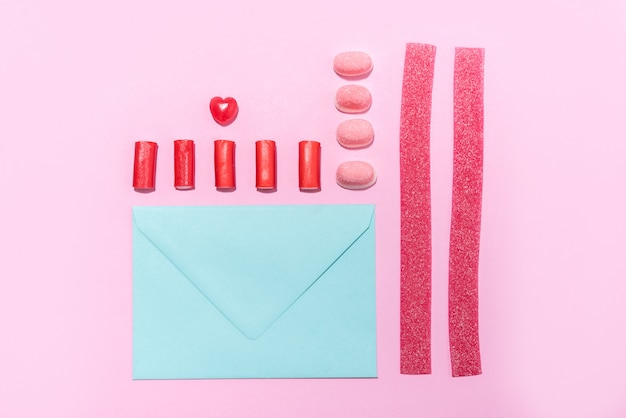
[[144, 173]]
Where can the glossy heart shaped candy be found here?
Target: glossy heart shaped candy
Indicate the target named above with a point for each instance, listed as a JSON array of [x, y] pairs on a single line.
[[224, 111]]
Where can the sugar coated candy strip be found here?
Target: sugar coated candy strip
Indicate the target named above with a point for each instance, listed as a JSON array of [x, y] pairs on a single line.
[[467, 185], [415, 206]]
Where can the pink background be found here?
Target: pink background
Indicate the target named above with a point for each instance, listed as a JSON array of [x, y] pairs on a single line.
[[81, 81]]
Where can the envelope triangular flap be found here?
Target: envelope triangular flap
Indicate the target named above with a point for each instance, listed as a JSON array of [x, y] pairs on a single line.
[[253, 262]]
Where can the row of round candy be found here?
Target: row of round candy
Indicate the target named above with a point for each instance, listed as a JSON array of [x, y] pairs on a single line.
[[354, 133], [144, 170]]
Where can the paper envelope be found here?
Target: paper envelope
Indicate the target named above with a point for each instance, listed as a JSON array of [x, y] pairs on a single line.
[[254, 292]]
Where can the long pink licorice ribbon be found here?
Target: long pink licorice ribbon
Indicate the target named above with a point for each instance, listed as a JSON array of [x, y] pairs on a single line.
[[415, 206], [467, 187]]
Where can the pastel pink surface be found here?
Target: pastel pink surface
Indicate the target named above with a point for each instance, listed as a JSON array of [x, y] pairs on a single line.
[[82, 81]]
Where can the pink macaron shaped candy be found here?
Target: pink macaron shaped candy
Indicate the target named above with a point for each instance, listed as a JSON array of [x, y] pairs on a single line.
[[353, 98], [355, 175], [355, 133], [352, 64]]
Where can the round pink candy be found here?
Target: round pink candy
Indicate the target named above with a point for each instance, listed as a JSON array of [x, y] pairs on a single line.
[[353, 99], [352, 64], [355, 175], [355, 133]]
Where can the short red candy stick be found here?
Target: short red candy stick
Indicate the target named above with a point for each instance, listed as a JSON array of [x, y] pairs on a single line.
[[265, 165], [415, 215], [224, 159], [184, 164], [467, 186], [309, 165], [144, 170]]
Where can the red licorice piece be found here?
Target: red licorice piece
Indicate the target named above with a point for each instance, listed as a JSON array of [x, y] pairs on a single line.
[[184, 164], [467, 185], [224, 159], [415, 214], [265, 165], [144, 170], [309, 165]]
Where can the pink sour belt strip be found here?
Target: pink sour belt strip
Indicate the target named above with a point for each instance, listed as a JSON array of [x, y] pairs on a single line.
[[415, 206], [466, 211]]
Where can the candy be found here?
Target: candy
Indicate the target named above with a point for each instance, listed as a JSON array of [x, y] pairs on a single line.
[[184, 164], [265, 165], [353, 98], [467, 182], [309, 165], [352, 64], [355, 133], [415, 210], [224, 161], [225, 110], [144, 169], [355, 175]]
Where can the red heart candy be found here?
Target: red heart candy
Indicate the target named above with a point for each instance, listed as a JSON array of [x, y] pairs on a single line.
[[225, 110]]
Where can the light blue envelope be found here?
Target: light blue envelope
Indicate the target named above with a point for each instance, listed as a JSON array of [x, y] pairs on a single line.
[[254, 292]]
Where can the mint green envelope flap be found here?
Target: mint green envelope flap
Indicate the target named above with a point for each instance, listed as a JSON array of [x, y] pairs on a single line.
[[254, 291]]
